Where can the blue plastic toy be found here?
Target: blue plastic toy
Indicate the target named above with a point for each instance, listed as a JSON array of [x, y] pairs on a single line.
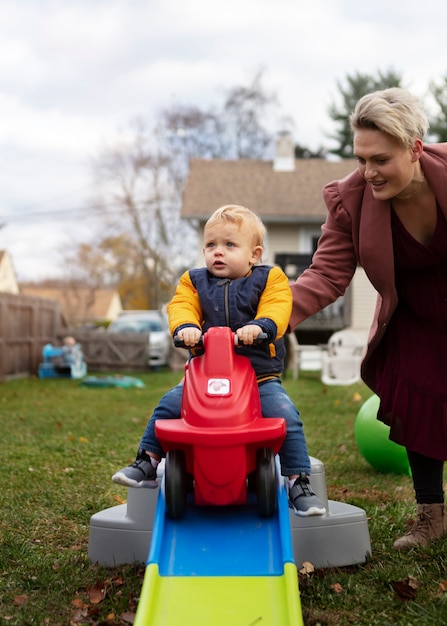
[[65, 361]]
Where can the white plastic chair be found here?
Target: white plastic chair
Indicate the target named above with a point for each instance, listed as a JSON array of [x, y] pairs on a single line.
[[341, 362], [302, 355]]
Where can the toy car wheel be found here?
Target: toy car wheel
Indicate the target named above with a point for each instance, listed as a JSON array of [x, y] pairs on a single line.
[[251, 482], [266, 482], [175, 484]]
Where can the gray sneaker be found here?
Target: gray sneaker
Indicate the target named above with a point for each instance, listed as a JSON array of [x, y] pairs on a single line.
[[302, 499], [140, 474]]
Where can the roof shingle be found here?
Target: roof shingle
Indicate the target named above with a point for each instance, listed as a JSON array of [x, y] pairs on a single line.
[[255, 184]]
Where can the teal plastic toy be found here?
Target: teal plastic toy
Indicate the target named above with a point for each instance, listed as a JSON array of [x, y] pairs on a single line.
[[372, 438], [112, 381]]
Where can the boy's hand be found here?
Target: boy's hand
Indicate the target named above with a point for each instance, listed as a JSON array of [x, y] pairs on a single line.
[[247, 334], [190, 336]]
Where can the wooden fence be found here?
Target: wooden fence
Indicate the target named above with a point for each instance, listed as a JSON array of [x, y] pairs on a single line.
[[113, 351], [26, 325]]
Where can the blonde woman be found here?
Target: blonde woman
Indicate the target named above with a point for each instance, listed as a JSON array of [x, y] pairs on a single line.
[[390, 216]]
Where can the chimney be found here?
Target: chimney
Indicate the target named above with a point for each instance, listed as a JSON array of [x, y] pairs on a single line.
[[284, 154]]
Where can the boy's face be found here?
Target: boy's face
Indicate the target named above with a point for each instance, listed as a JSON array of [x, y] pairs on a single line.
[[229, 250]]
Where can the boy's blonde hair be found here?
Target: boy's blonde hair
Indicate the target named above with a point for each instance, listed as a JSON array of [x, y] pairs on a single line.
[[394, 111], [239, 215]]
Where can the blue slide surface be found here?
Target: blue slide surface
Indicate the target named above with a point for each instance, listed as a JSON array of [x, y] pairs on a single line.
[[219, 566]]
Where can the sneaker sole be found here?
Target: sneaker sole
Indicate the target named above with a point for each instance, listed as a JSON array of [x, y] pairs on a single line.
[[122, 479], [312, 511]]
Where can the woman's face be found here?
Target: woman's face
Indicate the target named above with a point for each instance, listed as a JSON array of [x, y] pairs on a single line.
[[386, 165]]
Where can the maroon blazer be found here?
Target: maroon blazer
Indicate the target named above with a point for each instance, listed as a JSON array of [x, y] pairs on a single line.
[[357, 231]]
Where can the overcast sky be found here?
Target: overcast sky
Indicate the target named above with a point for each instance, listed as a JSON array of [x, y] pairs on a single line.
[[75, 72]]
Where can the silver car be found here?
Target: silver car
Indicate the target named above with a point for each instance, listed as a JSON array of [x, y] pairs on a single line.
[[152, 322]]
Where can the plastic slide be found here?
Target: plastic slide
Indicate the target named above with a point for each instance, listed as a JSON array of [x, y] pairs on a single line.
[[221, 566]]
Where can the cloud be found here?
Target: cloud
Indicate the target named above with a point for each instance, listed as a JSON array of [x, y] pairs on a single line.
[[73, 73]]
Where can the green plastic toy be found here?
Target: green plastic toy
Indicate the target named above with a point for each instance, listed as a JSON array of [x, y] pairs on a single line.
[[372, 438]]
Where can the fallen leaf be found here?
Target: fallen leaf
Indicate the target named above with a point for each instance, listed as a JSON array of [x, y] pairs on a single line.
[[128, 617], [20, 600], [412, 581], [443, 585], [119, 499], [83, 439], [78, 617], [337, 588], [405, 589], [96, 593], [306, 568], [356, 397], [77, 603]]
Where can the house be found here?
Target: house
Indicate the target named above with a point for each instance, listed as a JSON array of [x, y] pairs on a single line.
[[287, 194], [80, 306], [8, 280]]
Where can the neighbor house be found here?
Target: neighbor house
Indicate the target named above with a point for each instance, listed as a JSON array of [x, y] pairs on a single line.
[[80, 306], [8, 279], [287, 194]]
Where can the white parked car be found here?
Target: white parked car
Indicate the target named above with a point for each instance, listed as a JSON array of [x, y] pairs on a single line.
[[152, 322]]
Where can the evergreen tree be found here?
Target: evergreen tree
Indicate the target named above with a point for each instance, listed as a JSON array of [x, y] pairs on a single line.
[[357, 85], [438, 123]]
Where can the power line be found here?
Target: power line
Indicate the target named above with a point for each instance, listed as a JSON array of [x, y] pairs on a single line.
[[56, 214]]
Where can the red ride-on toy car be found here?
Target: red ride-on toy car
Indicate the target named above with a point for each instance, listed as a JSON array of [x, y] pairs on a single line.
[[221, 440]]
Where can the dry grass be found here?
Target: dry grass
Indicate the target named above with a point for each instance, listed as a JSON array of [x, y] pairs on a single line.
[[60, 444]]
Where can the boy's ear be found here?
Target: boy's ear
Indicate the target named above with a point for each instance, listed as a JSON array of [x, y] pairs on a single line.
[[256, 254]]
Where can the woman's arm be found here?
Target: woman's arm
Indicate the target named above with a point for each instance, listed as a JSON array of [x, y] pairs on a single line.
[[333, 264]]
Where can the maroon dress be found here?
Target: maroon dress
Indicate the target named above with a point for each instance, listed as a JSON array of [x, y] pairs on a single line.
[[412, 371]]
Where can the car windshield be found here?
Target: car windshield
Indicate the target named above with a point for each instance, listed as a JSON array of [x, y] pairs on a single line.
[[136, 326]]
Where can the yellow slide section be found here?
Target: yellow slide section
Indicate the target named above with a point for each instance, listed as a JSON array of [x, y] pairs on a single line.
[[219, 600]]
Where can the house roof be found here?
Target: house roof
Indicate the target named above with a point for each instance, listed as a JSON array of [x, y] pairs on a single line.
[[276, 195], [76, 303]]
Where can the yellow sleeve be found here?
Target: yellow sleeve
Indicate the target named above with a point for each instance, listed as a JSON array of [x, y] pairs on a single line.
[[276, 300], [184, 308]]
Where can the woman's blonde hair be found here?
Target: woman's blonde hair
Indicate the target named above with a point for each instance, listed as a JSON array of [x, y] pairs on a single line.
[[239, 215], [394, 111]]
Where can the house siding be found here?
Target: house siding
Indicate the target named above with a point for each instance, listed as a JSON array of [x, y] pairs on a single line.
[[363, 304], [8, 280]]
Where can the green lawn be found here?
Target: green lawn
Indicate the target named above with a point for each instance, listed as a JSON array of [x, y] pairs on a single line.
[[61, 442]]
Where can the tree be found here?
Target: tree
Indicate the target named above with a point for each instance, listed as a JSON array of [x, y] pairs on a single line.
[[235, 130], [357, 86], [243, 112], [111, 262], [138, 199], [301, 152], [438, 123], [187, 132], [140, 180]]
